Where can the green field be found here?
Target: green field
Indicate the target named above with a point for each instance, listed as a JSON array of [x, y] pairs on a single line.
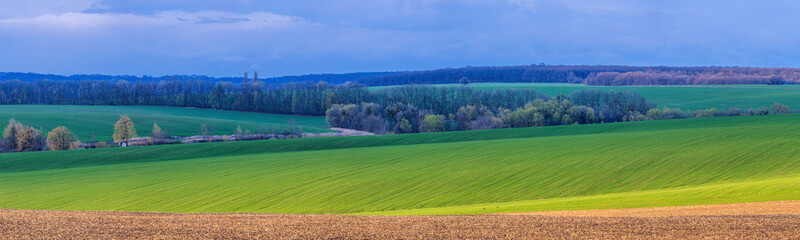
[[85, 120], [632, 164], [692, 97]]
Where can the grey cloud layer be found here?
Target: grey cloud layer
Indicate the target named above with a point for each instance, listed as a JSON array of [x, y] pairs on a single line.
[[226, 38]]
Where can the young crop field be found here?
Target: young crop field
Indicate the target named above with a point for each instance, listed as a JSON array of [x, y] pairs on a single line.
[[692, 97], [620, 165], [86, 120]]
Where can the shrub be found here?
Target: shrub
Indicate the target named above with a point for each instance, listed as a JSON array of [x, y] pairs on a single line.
[[779, 108], [735, 112], [486, 122], [713, 112], [75, 145], [101, 145]]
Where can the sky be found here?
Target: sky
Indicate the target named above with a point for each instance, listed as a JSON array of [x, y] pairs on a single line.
[[275, 38]]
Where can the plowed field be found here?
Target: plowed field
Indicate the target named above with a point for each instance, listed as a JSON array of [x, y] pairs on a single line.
[[21, 224], [757, 208]]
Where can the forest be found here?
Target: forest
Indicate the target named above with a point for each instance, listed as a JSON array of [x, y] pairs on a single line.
[[594, 75], [608, 75], [580, 107], [253, 95], [335, 78]]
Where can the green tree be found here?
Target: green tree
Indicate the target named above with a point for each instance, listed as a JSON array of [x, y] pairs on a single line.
[[124, 130], [433, 123], [60, 138], [405, 126], [157, 135]]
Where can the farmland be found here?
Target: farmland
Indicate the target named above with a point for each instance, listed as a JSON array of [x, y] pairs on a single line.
[[684, 97], [136, 225], [620, 165], [85, 120]]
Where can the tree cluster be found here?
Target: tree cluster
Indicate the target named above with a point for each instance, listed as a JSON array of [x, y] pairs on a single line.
[[21, 138], [338, 78], [250, 95], [581, 107], [593, 75], [612, 106], [684, 78], [674, 113], [493, 109]]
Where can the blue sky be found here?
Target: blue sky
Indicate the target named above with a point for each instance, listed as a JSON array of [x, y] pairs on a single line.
[[229, 37]]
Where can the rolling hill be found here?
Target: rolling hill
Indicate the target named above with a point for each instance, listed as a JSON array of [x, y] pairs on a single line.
[[85, 120], [633, 164], [693, 97]]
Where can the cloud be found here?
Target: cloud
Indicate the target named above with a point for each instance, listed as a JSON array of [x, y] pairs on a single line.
[[529, 5], [211, 20], [226, 37], [27, 8], [595, 7]]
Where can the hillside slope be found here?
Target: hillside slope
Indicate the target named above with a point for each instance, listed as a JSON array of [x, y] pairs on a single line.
[[30, 161], [694, 97], [395, 177], [85, 120]]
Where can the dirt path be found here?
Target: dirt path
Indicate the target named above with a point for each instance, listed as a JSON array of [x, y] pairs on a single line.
[[21, 224], [758, 208]]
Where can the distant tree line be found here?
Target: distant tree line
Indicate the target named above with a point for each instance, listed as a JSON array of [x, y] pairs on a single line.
[[581, 107], [330, 78], [471, 109], [252, 95], [21, 138], [593, 75], [537, 73], [683, 78]]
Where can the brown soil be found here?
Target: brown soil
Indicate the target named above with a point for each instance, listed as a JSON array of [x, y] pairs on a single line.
[[757, 208], [22, 224]]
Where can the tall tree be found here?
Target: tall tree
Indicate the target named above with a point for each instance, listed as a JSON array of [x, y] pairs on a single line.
[[124, 130], [157, 135], [9, 141], [238, 130]]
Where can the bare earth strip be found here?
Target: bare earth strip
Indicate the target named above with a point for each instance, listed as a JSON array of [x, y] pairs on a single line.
[[756, 208], [24, 224]]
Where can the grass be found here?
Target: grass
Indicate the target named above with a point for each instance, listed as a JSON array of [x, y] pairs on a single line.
[[692, 97], [403, 172], [85, 120], [776, 189], [31, 161]]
